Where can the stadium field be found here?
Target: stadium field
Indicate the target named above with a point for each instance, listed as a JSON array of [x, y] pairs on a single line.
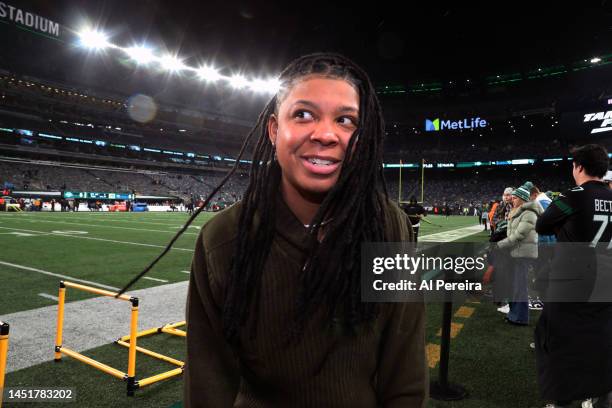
[[107, 249], [103, 248]]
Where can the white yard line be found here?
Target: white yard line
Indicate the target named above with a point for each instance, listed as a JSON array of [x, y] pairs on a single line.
[[186, 271], [96, 239], [35, 216], [37, 219], [451, 235], [46, 295], [57, 275], [155, 279]]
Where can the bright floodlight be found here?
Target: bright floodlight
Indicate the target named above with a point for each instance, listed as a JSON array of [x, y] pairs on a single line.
[[171, 63], [274, 85], [595, 60], [140, 54], [238, 82], [209, 74], [265, 86], [93, 39]]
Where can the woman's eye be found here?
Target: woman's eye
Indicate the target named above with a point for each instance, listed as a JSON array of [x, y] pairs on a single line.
[[303, 115], [347, 120]]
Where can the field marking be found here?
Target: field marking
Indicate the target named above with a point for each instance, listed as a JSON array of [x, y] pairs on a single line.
[[116, 220], [98, 239], [464, 312], [46, 295], [155, 279], [454, 332], [19, 234], [57, 275], [106, 226], [433, 354], [451, 235], [186, 271]]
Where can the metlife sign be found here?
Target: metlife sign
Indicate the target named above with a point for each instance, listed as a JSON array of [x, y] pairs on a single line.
[[603, 119], [436, 125]]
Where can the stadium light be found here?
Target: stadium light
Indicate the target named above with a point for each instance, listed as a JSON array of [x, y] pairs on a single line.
[[274, 85], [238, 82], [92, 39], [265, 85], [171, 63], [140, 54], [208, 74], [595, 60]]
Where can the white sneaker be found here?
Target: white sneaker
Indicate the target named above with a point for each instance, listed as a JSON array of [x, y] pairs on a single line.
[[535, 304], [532, 345], [504, 309], [587, 403]]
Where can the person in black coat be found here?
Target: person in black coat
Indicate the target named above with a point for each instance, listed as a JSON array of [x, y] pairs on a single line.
[[573, 337], [415, 213]]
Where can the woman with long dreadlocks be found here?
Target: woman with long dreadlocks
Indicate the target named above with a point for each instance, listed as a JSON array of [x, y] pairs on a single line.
[[274, 311]]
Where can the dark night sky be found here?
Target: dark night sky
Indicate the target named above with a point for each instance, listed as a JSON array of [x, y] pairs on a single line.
[[395, 44], [392, 42]]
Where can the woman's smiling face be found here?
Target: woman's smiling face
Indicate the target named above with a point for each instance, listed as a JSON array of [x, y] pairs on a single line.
[[311, 132]]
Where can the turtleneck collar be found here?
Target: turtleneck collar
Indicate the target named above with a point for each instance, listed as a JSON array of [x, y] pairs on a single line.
[[289, 227]]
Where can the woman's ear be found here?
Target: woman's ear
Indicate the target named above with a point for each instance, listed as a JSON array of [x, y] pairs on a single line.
[[272, 128]]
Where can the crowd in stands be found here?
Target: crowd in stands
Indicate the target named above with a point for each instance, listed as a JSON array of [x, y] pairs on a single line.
[[459, 190], [33, 177], [455, 189]]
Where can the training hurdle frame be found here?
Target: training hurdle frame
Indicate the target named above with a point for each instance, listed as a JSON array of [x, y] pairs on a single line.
[[4, 339], [129, 341]]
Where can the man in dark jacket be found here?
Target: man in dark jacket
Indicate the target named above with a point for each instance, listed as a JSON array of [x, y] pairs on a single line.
[[574, 339], [415, 213]]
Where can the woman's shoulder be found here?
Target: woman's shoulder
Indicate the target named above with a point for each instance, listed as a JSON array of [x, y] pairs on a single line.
[[222, 228]]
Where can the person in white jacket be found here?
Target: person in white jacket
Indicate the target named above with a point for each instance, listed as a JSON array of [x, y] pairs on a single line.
[[522, 240]]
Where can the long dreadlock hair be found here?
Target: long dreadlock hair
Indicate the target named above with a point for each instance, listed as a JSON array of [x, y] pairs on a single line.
[[331, 274], [353, 208]]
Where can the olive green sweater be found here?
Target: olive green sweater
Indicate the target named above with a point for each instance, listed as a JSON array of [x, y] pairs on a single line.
[[384, 367]]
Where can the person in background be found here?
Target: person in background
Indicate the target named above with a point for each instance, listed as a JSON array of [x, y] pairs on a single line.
[[499, 262], [608, 179], [485, 215], [415, 213], [545, 253], [492, 209], [505, 206], [522, 242], [573, 339]]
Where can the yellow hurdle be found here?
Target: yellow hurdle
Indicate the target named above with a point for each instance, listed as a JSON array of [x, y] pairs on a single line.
[[4, 338], [129, 341]]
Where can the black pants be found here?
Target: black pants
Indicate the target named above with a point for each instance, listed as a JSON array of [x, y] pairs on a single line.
[[416, 233]]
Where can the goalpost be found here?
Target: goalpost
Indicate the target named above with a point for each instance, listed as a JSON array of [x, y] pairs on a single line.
[[399, 190]]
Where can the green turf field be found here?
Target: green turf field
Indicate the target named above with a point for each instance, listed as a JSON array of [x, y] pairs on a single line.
[[491, 359], [105, 248]]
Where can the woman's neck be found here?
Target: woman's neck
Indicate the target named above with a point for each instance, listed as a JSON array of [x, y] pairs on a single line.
[[303, 206]]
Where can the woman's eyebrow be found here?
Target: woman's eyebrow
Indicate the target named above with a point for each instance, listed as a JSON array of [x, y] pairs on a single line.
[[315, 106]]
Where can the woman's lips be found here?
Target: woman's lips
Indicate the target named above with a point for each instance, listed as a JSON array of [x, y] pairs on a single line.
[[320, 169]]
